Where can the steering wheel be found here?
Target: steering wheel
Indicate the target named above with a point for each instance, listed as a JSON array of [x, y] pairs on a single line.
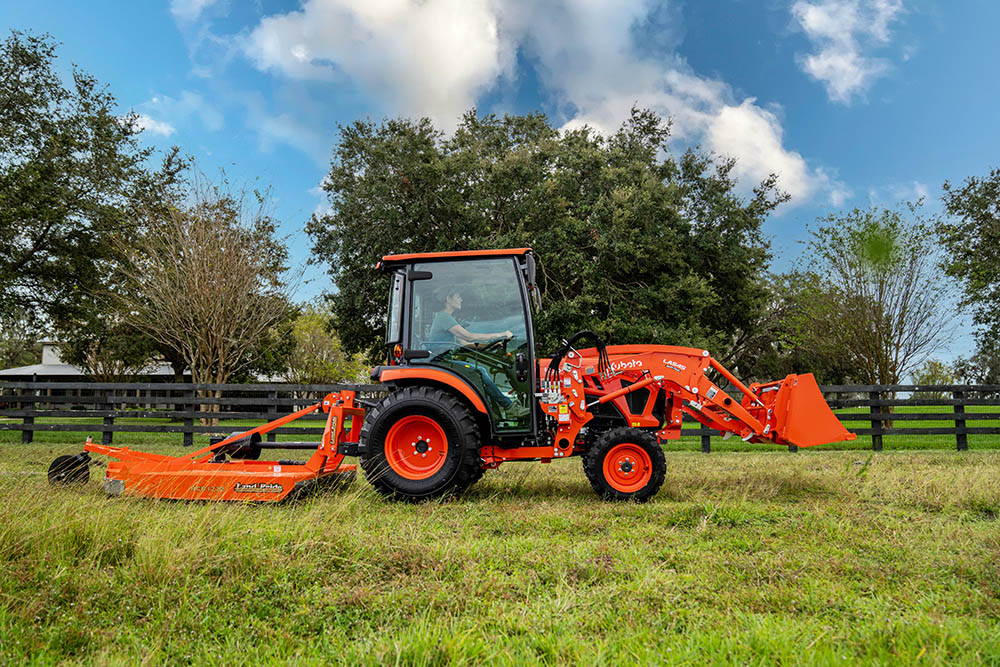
[[490, 344]]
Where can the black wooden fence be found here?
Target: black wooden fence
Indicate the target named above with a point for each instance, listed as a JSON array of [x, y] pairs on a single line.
[[888, 410], [185, 405]]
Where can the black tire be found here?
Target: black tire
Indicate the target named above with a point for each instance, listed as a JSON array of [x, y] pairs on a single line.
[[461, 465], [652, 464], [69, 469]]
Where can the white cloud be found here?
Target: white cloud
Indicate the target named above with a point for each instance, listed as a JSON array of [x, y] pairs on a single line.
[[432, 57], [182, 108], [747, 130], [189, 10], [148, 124], [837, 192], [896, 193], [588, 57], [594, 60], [286, 128], [299, 128], [842, 33]]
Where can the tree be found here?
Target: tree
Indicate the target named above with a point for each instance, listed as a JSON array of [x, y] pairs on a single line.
[[933, 372], [108, 351], [632, 242], [781, 341], [983, 367], [19, 340], [881, 304], [71, 177], [208, 282], [99, 337], [318, 357], [971, 239]]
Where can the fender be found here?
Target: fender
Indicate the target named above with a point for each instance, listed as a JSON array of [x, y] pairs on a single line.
[[391, 374]]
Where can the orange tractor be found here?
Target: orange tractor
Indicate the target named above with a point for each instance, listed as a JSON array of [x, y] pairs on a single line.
[[466, 393]]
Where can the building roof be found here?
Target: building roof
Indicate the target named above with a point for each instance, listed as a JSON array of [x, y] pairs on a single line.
[[65, 370], [52, 366]]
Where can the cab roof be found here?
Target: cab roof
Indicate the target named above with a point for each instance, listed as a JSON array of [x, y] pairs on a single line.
[[409, 258]]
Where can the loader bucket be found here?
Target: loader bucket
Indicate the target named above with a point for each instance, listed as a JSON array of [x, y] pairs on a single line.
[[802, 417]]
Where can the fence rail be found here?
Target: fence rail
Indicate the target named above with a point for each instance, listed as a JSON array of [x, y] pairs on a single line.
[[186, 404]]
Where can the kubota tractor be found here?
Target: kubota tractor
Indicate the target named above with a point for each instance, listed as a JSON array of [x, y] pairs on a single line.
[[467, 393]]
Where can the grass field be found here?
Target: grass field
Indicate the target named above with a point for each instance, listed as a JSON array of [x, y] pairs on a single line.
[[817, 557]]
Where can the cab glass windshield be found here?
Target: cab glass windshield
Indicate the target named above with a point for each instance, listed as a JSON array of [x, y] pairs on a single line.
[[470, 316]]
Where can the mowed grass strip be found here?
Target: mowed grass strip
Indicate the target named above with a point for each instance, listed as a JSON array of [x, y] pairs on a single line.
[[817, 557]]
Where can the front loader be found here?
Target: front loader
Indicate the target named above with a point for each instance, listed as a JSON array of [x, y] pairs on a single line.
[[466, 393]]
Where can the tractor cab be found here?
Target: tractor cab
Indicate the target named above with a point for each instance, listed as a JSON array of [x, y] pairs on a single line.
[[461, 320]]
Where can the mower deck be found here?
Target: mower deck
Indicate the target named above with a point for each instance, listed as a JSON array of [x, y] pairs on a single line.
[[225, 471]]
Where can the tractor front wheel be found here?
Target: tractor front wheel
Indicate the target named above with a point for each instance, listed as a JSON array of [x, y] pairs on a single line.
[[420, 443], [625, 464]]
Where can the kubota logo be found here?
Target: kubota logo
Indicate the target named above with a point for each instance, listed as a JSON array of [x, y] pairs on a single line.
[[670, 363], [626, 365]]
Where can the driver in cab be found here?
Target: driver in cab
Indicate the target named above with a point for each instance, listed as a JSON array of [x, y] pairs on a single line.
[[446, 330], [445, 326]]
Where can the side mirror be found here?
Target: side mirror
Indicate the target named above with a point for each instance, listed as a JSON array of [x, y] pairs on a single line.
[[521, 366]]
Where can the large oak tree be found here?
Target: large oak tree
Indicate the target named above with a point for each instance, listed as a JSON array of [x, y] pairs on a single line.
[[634, 242]]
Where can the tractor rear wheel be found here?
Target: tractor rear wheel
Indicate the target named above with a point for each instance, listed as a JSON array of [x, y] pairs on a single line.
[[420, 443], [625, 464]]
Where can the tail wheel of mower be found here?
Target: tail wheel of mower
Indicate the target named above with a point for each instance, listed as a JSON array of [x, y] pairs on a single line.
[[420, 443], [625, 464], [69, 469]]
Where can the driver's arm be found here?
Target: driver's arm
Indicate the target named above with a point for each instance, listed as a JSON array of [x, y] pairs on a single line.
[[466, 337]]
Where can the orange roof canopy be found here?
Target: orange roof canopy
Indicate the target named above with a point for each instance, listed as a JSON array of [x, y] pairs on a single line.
[[458, 253]]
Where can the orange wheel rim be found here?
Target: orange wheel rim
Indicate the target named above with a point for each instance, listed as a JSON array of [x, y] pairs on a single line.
[[416, 447], [628, 467]]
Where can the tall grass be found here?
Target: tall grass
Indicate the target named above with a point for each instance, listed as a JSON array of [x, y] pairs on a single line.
[[819, 557]]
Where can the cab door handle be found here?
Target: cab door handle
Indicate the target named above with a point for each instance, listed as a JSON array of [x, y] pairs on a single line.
[[521, 366]]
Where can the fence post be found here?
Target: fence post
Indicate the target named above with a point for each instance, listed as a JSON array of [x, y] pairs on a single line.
[[272, 410], [26, 436], [876, 423], [706, 441], [189, 420], [961, 439], [106, 435]]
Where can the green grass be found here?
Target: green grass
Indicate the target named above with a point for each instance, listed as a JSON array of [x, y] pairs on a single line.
[[817, 557]]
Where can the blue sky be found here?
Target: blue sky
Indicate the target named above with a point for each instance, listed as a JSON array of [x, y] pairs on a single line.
[[851, 102]]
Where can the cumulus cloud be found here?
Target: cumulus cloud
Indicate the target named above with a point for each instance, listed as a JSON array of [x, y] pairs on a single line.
[[587, 55], [189, 10], [148, 124], [594, 62], [842, 33], [748, 130], [433, 57]]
